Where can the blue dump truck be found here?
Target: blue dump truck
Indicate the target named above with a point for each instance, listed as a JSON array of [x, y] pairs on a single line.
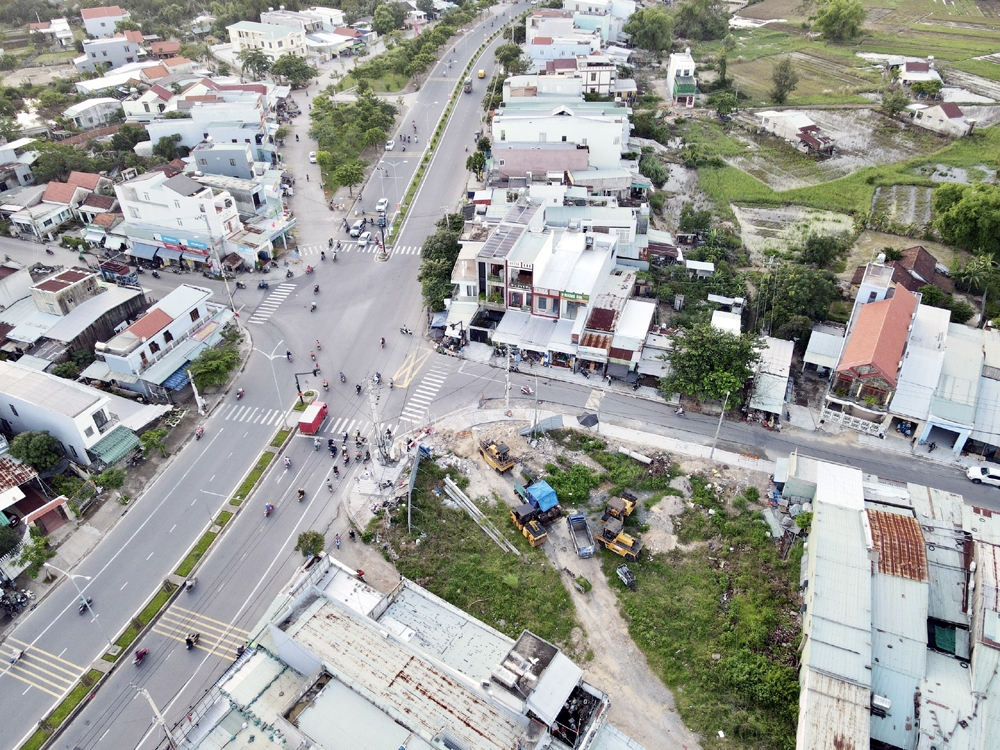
[[542, 498]]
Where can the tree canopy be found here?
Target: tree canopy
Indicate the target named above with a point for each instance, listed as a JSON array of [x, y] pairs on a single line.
[[707, 362], [969, 216], [651, 29], [790, 290], [840, 20], [784, 79], [389, 17], [213, 366], [437, 261], [310, 543], [254, 63], [294, 70], [701, 20], [37, 449]]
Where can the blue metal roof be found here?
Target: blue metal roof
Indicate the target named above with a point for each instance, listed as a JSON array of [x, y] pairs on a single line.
[[178, 380]]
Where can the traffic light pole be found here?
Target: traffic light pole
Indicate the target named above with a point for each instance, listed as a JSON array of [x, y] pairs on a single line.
[[298, 388]]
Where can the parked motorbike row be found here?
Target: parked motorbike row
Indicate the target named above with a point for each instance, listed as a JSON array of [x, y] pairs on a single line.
[[15, 601]]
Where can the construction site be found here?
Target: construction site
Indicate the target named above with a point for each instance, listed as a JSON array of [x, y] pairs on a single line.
[[562, 534]]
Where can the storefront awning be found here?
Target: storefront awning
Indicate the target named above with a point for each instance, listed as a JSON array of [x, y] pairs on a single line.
[[562, 338], [114, 446], [616, 370], [94, 235], [169, 253], [509, 329], [142, 250]]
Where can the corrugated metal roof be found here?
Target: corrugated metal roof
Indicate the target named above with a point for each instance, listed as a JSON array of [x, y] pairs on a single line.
[[899, 544], [955, 396], [945, 699], [832, 714], [899, 727], [899, 606]]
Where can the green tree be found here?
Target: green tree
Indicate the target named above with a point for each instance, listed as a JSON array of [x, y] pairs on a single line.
[[213, 366], [427, 6], [511, 58], [840, 20], [310, 543], [969, 216], [516, 33], [725, 103], [384, 20], [651, 29], [37, 449], [152, 440], [10, 540], [476, 163], [792, 289], [56, 160], [168, 147], [350, 173], [440, 251], [784, 79], [294, 70], [894, 100], [798, 328], [254, 63], [981, 274], [484, 144], [701, 20], [128, 136], [707, 363], [650, 166], [68, 370], [36, 552], [693, 220], [112, 479], [926, 88], [822, 250], [10, 129]]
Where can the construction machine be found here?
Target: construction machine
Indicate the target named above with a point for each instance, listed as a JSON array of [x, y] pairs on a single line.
[[497, 455], [525, 517], [542, 498], [614, 538], [620, 507]]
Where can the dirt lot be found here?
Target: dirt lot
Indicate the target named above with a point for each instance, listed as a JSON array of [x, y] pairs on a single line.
[[775, 229], [38, 76], [870, 244]]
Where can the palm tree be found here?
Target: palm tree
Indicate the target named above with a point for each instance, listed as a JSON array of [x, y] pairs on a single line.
[[254, 62], [981, 274]]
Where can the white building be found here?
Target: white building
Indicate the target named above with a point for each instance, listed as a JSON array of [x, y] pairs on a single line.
[[796, 128], [242, 121], [945, 118], [332, 18], [681, 82], [305, 22], [601, 129], [544, 48], [56, 30], [16, 158], [94, 113], [274, 41], [100, 22], [111, 52]]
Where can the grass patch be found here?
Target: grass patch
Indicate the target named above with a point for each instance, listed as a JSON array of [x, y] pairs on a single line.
[[253, 477], [195, 555], [387, 84], [223, 518], [141, 620], [300, 406], [281, 437], [62, 711], [457, 561], [687, 610], [56, 58], [982, 68]]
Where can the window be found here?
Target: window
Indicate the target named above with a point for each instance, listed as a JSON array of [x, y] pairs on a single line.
[[177, 204], [232, 162], [105, 54], [500, 162], [195, 315], [14, 410], [145, 196], [564, 139], [503, 135], [153, 347], [134, 212], [541, 137], [73, 451], [88, 432], [201, 207], [542, 303], [167, 336], [593, 76], [93, 55], [203, 162], [144, 359], [180, 222], [872, 296]]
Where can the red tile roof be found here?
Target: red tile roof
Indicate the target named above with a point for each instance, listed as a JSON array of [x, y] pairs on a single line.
[[39, 26], [150, 324], [87, 180], [107, 220], [155, 71], [111, 10], [344, 31], [102, 202], [132, 36], [879, 335], [951, 110], [542, 40], [172, 62], [165, 94], [917, 67], [59, 192], [65, 279], [165, 48]]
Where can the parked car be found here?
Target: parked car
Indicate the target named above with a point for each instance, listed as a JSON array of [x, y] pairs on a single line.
[[984, 475], [364, 240], [390, 145], [312, 157], [357, 227], [382, 206]]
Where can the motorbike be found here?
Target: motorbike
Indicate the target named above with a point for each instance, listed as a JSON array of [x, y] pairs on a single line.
[[288, 355], [239, 394], [198, 433], [302, 494], [49, 251], [288, 462], [191, 641], [635, 386], [155, 274], [312, 307], [315, 444], [288, 274], [336, 539], [358, 388], [352, 536], [322, 254], [679, 411], [309, 269], [139, 270], [239, 284], [326, 386], [316, 289], [15, 656], [406, 330], [84, 604], [268, 509], [382, 343], [526, 390], [263, 285], [343, 378], [334, 257], [189, 584], [319, 346], [139, 656]]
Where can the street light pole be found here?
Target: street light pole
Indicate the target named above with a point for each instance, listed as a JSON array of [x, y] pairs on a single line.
[[719, 426], [83, 599]]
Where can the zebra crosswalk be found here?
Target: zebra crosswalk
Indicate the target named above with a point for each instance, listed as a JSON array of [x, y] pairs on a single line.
[[424, 394], [271, 303], [42, 670], [252, 414], [214, 636], [305, 251], [340, 425]]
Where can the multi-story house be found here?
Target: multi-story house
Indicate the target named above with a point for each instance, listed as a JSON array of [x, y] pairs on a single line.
[[57, 30], [231, 159], [101, 22], [681, 82], [155, 350], [16, 158], [123, 48], [273, 41], [306, 22], [93, 113]]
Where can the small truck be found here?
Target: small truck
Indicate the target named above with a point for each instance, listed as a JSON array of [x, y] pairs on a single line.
[[580, 531]]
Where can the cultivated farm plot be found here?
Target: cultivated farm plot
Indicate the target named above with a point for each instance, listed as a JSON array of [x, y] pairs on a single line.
[[888, 16], [905, 204], [766, 231], [821, 80]]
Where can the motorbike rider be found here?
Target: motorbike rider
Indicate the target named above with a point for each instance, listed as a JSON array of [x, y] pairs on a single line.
[[288, 462]]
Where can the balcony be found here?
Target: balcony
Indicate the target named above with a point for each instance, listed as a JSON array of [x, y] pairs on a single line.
[[107, 426]]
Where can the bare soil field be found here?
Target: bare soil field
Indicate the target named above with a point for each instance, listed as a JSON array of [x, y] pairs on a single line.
[[769, 230], [819, 78], [869, 244]]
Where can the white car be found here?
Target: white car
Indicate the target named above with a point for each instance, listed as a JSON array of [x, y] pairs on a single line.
[[364, 240], [382, 205], [984, 475], [390, 145], [312, 157], [356, 228]]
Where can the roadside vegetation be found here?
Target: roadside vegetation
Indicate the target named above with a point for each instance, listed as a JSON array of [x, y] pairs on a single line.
[[717, 618]]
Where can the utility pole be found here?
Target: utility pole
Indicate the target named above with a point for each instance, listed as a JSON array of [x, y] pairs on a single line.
[[159, 718], [719, 426], [383, 442], [506, 388]]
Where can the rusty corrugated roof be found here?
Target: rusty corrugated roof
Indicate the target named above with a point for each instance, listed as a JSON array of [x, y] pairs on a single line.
[[900, 545]]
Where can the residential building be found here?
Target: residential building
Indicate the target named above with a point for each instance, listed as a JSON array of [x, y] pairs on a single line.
[[945, 118], [912, 72], [16, 158], [682, 85], [15, 283], [110, 52], [770, 382], [826, 342], [603, 128], [305, 22], [164, 50], [202, 24], [101, 22], [332, 18], [273, 41], [147, 105], [43, 219], [555, 85], [796, 128], [231, 159], [526, 160], [127, 76], [94, 205], [94, 113], [341, 663], [57, 30], [543, 48], [915, 268], [599, 74], [900, 592], [547, 23]]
